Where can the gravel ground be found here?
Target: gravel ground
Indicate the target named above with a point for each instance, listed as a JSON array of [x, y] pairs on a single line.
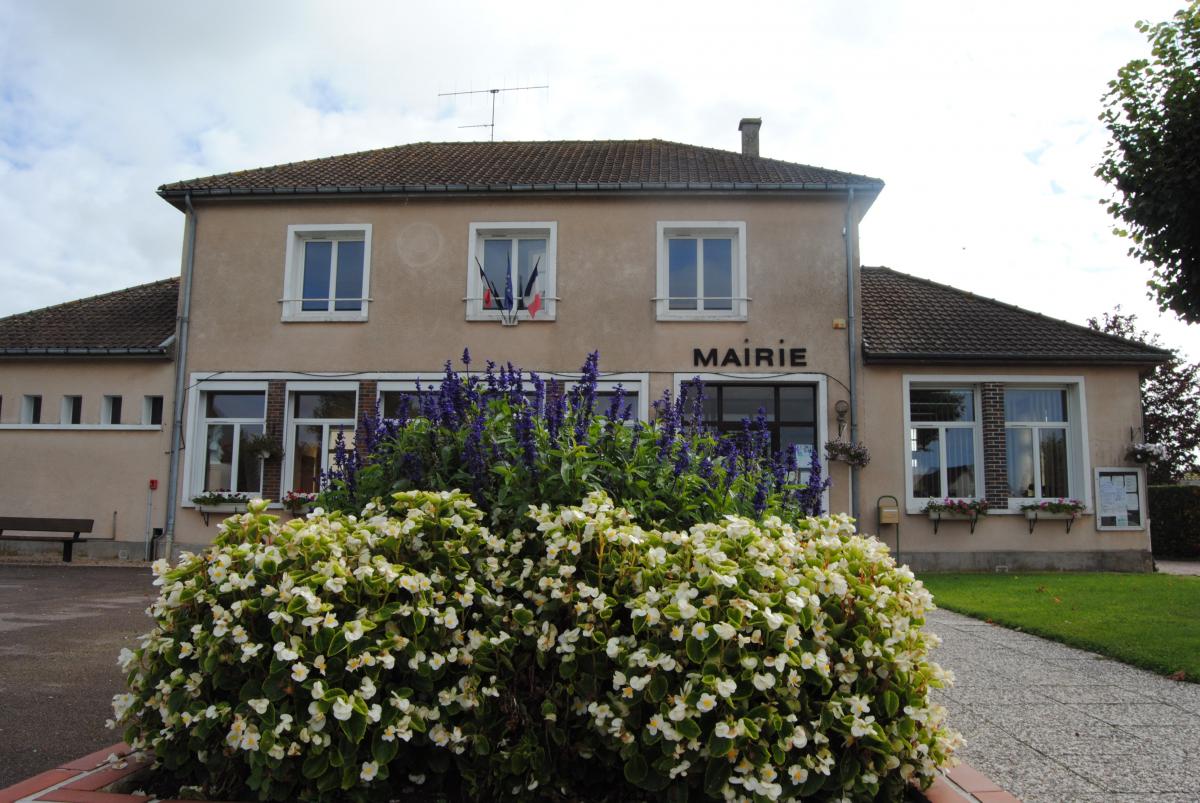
[[61, 627]]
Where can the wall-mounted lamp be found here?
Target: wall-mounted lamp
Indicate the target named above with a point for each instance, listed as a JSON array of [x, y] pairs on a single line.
[[842, 408]]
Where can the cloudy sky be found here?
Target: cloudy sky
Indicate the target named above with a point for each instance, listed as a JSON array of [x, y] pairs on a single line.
[[981, 117]]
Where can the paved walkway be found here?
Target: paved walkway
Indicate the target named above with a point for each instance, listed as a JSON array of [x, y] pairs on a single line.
[[61, 628], [1052, 723], [1191, 567]]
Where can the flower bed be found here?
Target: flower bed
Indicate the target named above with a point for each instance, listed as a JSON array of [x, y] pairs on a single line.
[[687, 630], [344, 658]]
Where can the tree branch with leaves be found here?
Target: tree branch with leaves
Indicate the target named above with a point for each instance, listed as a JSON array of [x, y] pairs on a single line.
[[1152, 111]]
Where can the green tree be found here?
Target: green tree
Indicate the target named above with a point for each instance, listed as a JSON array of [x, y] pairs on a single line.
[[1170, 400], [1152, 111]]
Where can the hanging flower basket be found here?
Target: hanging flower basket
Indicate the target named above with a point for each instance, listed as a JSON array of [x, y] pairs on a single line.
[[855, 455], [263, 446], [1147, 454]]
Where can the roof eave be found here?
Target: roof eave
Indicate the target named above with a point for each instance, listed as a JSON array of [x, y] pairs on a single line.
[[942, 358], [124, 351], [175, 196]]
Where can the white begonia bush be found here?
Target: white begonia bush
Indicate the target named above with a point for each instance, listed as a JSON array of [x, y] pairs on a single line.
[[583, 657]]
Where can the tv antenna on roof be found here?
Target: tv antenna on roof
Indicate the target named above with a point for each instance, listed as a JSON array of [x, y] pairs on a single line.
[[494, 92]]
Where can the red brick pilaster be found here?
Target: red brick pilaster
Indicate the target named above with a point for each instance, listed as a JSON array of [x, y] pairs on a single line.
[[367, 391], [995, 447], [276, 409]]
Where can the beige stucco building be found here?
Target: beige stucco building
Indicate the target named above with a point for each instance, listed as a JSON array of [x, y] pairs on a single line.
[[314, 291]]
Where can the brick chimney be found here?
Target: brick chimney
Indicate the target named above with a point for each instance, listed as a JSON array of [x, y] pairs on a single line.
[[749, 127]]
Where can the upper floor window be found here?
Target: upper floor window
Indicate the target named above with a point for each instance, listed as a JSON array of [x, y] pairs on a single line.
[[328, 272], [1037, 431], [31, 410], [701, 270], [152, 410], [110, 410], [511, 267], [72, 410], [942, 443]]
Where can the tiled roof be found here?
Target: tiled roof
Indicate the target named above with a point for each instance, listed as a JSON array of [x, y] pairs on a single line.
[[134, 321], [907, 319], [553, 166]]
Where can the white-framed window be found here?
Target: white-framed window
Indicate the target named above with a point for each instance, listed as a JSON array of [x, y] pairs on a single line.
[[31, 409], [328, 272], [701, 271], [152, 410], [110, 410], [1040, 439], [71, 411], [944, 454], [794, 404], [228, 418], [512, 266], [318, 413]]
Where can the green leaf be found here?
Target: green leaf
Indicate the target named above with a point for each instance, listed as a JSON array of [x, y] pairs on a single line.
[[718, 745], [695, 651], [716, 775], [657, 688], [636, 770], [891, 703], [689, 728], [382, 750], [315, 765]]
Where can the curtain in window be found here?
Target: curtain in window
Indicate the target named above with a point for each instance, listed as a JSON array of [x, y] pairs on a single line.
[[1054, 462], [1020, 462], [1035, 404], [925, 452], [960, 462]]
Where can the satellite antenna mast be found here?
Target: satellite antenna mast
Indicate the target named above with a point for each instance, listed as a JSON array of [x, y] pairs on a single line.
[[493, 92]]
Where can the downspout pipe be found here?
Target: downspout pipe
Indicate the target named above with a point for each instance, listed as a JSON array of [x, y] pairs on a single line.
[[181, 350], [852, 344]]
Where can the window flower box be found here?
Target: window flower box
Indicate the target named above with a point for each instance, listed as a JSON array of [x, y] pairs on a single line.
[[224, 502], [1053, 510], [956, 510]]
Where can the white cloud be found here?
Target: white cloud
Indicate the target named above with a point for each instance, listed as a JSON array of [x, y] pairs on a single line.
[[981, 117]]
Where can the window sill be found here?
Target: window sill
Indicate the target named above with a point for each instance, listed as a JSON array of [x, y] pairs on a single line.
[[325, 317], [88, 427], [494, 317], [696, 317]]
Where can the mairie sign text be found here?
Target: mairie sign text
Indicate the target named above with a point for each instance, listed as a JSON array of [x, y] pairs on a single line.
[[750, 358]]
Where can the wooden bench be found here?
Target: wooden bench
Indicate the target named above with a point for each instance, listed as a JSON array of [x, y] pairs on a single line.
[[32, 524]]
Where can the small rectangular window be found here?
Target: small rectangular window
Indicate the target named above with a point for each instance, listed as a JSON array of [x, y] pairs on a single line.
[[111, 412], [152, 410], [31, 410], [72, 410]]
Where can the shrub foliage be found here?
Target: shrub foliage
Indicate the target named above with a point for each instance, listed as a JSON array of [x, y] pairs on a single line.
[[1175, 521], [337, 657], [512, 439]]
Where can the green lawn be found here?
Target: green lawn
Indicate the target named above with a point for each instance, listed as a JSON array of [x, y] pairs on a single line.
[[1148, 620]]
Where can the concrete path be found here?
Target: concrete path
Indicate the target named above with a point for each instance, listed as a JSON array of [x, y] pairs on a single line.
[[1191, 567], [61, 628], [1052, 723]]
